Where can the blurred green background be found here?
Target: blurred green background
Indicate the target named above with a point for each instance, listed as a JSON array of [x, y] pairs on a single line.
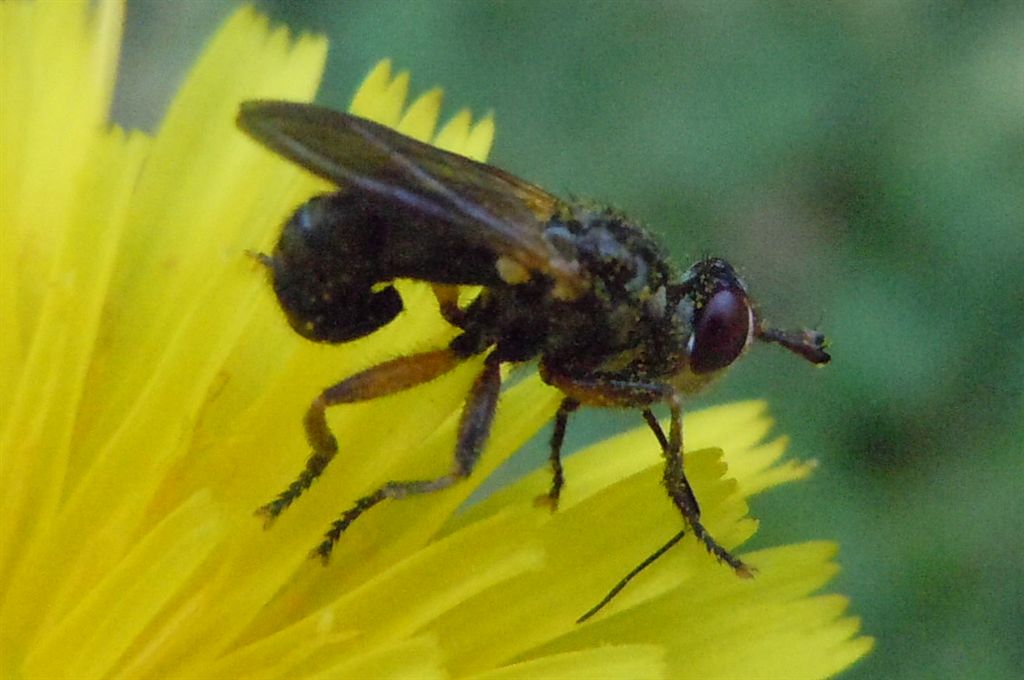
[[862, 163]]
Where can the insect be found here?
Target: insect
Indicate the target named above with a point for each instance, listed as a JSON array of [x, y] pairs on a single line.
[[580, 288]]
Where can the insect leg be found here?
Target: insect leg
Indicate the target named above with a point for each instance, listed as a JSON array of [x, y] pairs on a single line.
[[448, 301], [380, 380], [474, 427], [678, 486], [605, 390], [567, 406], [681, 493], [659, 434], [648, 561], [595, 391]]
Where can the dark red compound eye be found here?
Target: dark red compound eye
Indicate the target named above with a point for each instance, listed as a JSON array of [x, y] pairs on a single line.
[[721, 331]]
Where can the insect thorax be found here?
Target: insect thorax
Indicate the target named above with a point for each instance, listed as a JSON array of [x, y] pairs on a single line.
[[625, 324]]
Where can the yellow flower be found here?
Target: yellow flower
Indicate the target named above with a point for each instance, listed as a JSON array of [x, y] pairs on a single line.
[[152, 399]]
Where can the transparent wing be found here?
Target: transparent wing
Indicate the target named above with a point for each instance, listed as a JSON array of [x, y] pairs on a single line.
[[482, 205]]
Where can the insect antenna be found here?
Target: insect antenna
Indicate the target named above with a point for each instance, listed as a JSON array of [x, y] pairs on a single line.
[[806, 343]]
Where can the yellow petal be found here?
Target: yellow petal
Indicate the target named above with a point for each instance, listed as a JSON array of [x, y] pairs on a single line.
[[455, 133], [481, 137], [420, 118], [91, 637], [381, 98], [372, 90], [629, 662]]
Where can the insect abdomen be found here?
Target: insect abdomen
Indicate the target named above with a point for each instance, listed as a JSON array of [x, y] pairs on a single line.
[[324, 267], [336, 250]]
